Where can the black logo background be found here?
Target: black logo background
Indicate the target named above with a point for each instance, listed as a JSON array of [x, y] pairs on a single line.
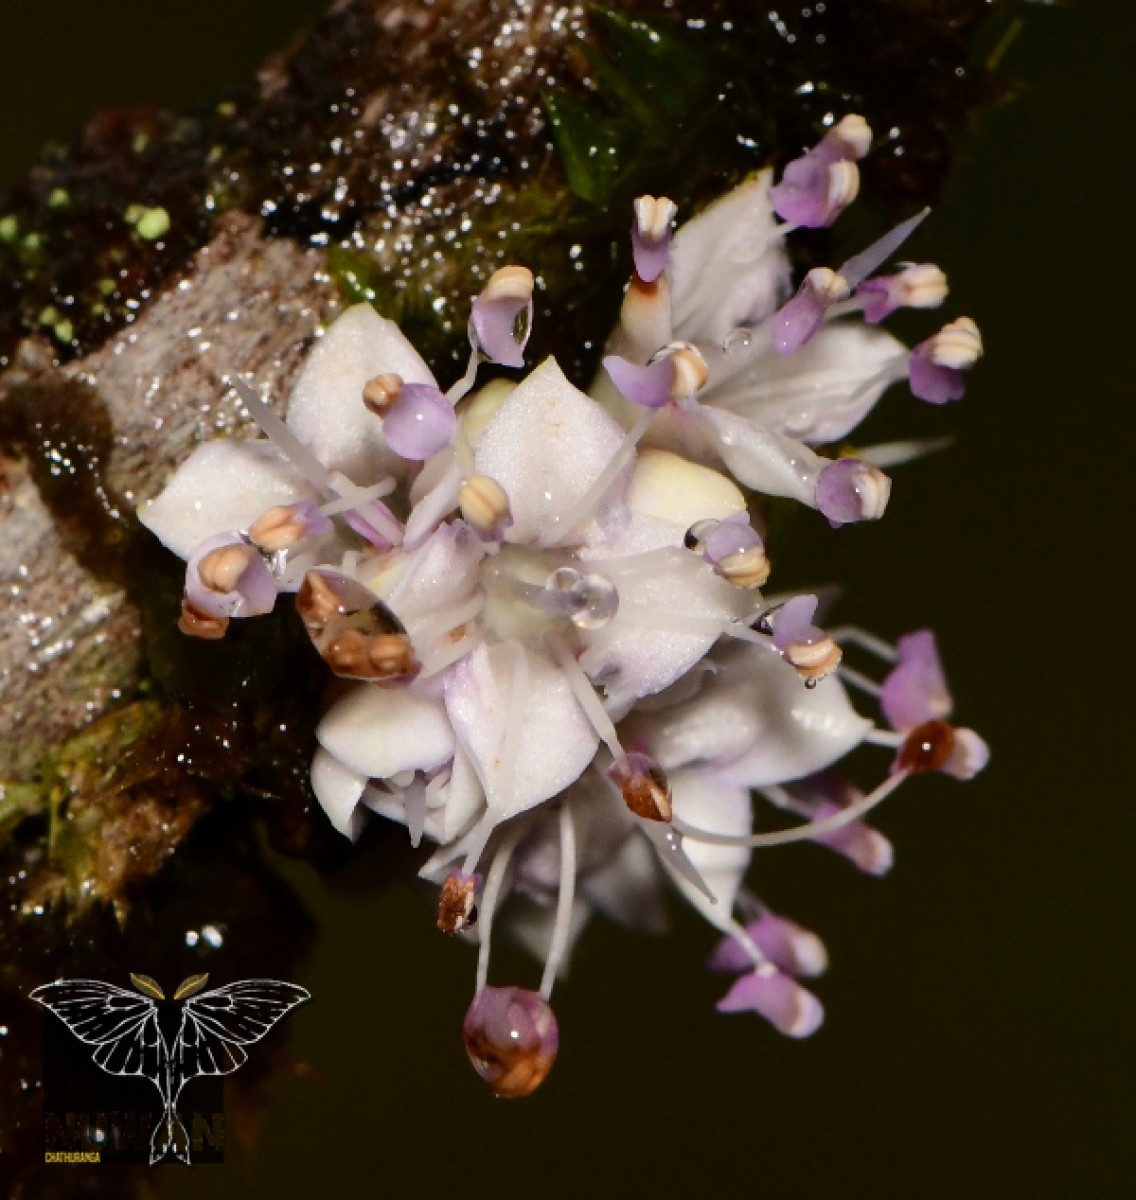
[[86, 1109]]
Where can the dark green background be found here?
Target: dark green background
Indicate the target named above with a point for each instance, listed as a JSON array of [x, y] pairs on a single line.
[[980, 1003]]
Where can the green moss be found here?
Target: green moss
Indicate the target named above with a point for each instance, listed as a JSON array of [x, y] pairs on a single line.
[[153, 223]]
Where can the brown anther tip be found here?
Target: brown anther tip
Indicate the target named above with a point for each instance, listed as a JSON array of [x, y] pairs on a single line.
[[194, 622], [814, 660], [640, 289], [928, 747], [221, 569], [457, 908], [316, 601], [277, 529], [381, 393], [646, 793], [382, 657]]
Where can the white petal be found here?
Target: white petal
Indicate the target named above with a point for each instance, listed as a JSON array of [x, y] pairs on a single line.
[[701, 798], [326, 410], [756, 722], [545, 446], [462, 799], [338, 789], [222, 487], [442, 572], [820, 393], [379, 732], [670, 614], [629, 888], [728, 269], [514, 713], [762, 458]]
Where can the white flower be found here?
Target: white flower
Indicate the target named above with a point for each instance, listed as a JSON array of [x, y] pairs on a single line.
[[566, 675]]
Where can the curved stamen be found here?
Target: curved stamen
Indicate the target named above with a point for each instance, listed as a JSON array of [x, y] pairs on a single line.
[[564, 902], [585, 694], [286, 441], [866, 641], [357, 496], [800, 833], [488, 906]]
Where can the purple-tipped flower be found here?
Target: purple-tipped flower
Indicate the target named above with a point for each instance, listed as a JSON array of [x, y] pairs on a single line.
[[799, 320], [937, 365], [735, 550], [788, 946], [651, 236], [915, 700], [803, 645], [920, 285], [501, 318], [787, 1006], [511, 1037], [226, 577], [915, 690], [850, 490], [816, 188], [674, 375], [420, 423]]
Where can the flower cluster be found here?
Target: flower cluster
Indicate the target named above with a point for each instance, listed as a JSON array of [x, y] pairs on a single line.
[[564, 671]]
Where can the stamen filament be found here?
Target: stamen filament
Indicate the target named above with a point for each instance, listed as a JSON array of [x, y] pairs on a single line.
[[286, 441], [564, 902], [585, 694], [885, 737], [488, 905], [859, 680], [349, 500], [800, 833], [461, 388], [866, 641]]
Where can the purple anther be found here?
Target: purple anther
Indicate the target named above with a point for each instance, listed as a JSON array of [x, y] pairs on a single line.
[[419, 423], [921, 285], [915, 689], [787, 1006], [226, 577], [850, 490], [501, 317], [790, 947], [732, 536], [936, 368], [817, 187], [793, 623], [800, 319], [651, 236]]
